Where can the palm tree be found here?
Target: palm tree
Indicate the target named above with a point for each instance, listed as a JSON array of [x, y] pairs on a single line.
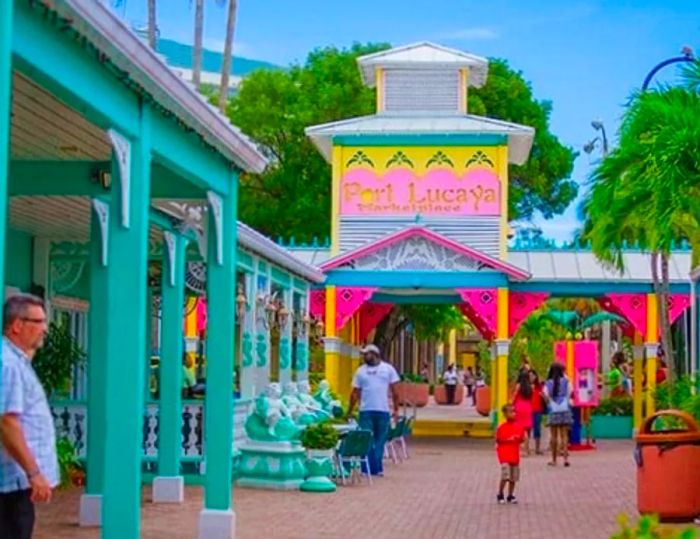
[[152, 27], [645, 190], [228, 55], [198, 43]]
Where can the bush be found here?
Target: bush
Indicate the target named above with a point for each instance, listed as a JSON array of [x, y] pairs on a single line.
[[412, 378], [674, 395], [615, 406], [648, 528], [319, 436]]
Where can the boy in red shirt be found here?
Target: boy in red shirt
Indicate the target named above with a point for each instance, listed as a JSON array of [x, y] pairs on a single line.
[[509, 436]]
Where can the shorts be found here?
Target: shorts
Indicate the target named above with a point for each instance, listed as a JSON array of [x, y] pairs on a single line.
[[510, 472]]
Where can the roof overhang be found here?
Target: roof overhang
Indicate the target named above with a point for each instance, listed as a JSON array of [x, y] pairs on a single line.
[[446, 129], [144, 66], [424, 55]]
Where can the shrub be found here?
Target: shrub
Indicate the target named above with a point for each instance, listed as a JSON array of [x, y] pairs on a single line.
[[412, 378], [615, 406], [648, 528], [319, 436]]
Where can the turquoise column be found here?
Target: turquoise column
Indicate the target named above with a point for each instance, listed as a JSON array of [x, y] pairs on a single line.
[[217, 519], [261, 330], [98, 322], [302, 344], [127, 236], [5, 92], [147, 349], [247, 349], [285, 350], [169, 486]]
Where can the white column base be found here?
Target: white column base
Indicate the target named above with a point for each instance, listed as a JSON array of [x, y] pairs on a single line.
[[169, 489], [215, 524], [90, 510]]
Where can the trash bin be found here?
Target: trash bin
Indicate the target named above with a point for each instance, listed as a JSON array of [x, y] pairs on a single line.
[[668, 469]]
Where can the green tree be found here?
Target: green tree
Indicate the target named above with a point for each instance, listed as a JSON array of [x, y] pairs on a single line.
[[646, 190], [292, 198]]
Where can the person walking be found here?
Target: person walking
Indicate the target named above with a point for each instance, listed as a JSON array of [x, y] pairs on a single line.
[[469, 381], [450, 379], [371, 386], [558, 394], [522, 404], [538, 409], [509, 436], [28, 463]]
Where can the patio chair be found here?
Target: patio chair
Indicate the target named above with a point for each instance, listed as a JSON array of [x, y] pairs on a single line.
[[396, 434], [354, 452]]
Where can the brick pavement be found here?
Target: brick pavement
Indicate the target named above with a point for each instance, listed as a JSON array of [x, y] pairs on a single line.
[[445, 490]]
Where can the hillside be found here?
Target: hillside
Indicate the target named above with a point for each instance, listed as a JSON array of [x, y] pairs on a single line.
[[180, 55]]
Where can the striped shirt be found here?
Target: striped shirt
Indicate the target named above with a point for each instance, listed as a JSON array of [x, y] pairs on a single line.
[[21, 393]]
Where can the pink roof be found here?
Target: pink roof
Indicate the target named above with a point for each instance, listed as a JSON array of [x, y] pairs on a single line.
[[394, 237]]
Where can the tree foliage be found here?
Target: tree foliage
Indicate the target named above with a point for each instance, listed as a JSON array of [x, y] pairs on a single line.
[[292, 198]]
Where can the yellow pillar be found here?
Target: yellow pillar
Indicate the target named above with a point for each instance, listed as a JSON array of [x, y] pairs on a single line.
[[502, 349], [332, 343], [651, 345], [191, 325], [355, 354], [453, 347], [345, 369], [638, 374], [570, 359]]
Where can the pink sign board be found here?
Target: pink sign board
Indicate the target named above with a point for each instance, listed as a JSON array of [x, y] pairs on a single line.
[[401, 191], [586, 392]]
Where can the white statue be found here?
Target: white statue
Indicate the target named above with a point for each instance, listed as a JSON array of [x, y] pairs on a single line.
[[290, 398], [325, 398], [270, 419], [311, 404]]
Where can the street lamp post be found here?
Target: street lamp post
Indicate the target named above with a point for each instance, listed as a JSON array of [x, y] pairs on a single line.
[[686, 56]]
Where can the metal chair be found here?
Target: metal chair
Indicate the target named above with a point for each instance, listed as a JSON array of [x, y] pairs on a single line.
[[396, 434], [354, 451]]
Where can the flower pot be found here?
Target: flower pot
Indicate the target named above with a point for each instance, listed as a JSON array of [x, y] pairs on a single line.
[[441, 394], [611, 427], [483, 400], [414, 394], [319, 466]]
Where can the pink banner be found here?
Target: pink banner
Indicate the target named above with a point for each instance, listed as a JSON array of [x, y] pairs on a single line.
[[401, 192]]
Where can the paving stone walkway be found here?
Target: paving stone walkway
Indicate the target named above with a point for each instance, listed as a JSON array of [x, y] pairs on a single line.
[[446, 490]]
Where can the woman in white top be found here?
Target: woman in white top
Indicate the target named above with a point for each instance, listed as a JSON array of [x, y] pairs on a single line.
[[450, 379]]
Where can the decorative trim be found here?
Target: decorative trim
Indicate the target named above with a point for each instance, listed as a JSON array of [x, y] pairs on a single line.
[[481, 307], [520, 306], [651, 349], [370, 317], [216, 205], [443, 139], [332, 345], [102, 211], [502, 347], [171, 244], [122, 149], [394, 237], [632, 307]]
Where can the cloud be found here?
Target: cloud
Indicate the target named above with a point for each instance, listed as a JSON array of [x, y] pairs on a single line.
[[476, 33]]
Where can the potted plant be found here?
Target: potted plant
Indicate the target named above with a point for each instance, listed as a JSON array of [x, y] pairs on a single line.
[[55, 362], [441, 394], [70, 468], [320, 441], [612, 418], [413, 390]]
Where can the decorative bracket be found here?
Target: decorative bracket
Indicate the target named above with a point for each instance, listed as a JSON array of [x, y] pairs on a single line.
[[122, 149], [215, 203], [102, 211], [171, 244]]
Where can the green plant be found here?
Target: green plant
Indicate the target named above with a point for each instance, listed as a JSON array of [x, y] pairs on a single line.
[[412, 378], [67, 460], [615, 406], [675, 394], [648, 527], [55, 361], [319, 436]]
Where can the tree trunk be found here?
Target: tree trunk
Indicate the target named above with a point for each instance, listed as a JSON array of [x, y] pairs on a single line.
[[664, 321], [388, 329], [228, 55], [198, 39], [152, 28]]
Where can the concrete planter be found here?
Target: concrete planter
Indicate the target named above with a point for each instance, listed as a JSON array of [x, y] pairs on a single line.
[[610, 427], [417, 394], [319, 466], [483, 400], [441, 394]]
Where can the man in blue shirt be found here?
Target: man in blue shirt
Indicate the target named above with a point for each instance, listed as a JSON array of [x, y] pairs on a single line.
[[28, 464]]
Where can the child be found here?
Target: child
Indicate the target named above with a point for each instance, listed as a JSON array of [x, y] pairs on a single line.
[[509, 436]]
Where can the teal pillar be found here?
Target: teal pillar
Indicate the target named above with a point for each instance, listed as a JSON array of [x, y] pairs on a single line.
[[261, 331], [127, 259], [247, 349], [302, 344], [5, 92], [169, 486], [147, 349], [98, 322], [285, 350], [217, 519]]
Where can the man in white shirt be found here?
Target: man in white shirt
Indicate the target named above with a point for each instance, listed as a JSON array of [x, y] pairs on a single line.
[[371, 386]]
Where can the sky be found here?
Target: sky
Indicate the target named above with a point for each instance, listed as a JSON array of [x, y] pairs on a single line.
[[586, 57]]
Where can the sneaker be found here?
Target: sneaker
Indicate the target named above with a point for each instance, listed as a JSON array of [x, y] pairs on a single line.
[[512, 500], [501, 499]]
